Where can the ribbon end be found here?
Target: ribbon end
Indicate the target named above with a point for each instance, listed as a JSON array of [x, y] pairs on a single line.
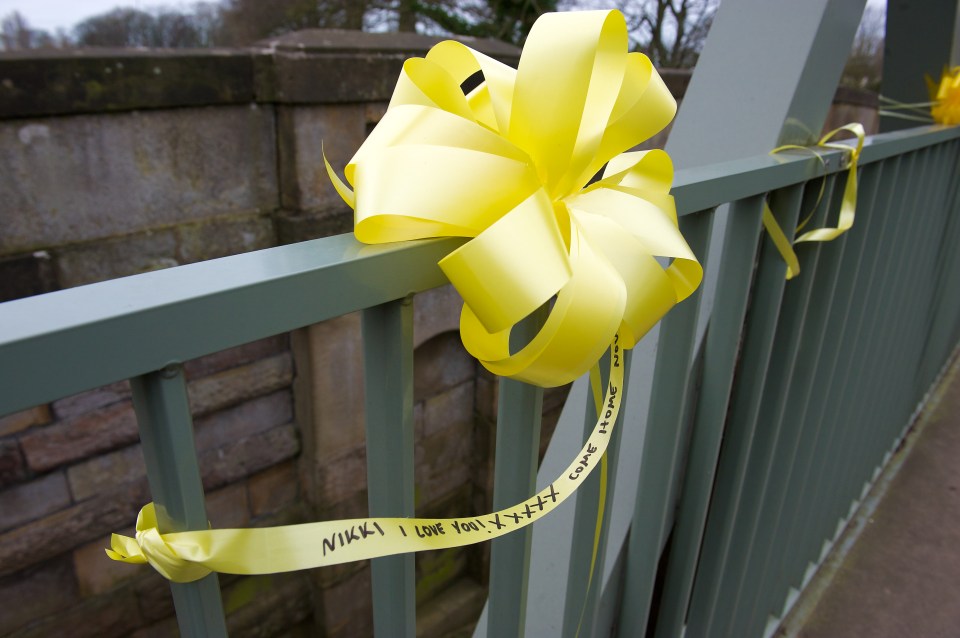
[[342, 189], [125, 550]]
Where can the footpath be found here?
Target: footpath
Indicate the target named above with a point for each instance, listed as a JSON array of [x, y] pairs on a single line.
[[901, 576]]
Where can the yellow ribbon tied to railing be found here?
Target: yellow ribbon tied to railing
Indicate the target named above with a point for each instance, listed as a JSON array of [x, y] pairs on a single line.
[[945, 97], [848, 205], [508, 165]]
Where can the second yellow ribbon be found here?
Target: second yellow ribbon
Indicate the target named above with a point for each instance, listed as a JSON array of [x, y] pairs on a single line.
[[848, 205]]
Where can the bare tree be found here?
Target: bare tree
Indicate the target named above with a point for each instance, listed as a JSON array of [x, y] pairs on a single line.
[[16, 35], [507, 20], [865, 64], [670, 32], [245, 21]]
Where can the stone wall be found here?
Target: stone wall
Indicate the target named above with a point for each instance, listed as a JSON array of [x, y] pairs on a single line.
[[119, 162]]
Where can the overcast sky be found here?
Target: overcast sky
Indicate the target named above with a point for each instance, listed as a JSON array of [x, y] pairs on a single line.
[[50, 15]]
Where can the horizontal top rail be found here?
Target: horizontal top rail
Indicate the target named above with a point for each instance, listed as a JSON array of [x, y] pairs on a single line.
[[73, 340], [704, 187]]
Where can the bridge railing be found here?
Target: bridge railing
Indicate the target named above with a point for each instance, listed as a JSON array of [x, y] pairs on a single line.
[[764, 432]]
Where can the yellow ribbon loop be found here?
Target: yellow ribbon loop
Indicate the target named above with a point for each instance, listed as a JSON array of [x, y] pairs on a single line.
[[848, 205], [945, 96], [508, 165]]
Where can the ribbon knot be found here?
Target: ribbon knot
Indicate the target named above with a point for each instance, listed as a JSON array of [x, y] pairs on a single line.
[[150, 546], [508, 165]]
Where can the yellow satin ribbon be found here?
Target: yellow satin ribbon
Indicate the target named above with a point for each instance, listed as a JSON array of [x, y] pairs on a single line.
[[508, 166], [848, 205], [188, 556], [945, 96]]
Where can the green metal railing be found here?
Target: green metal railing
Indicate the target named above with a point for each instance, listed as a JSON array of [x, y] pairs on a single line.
[[760, 436]]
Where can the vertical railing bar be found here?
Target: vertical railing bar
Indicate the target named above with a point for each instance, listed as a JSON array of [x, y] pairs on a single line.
[[937, 342], [581, 546], [942, 271], [581, 602], [722, 342], [166, 432], [814, 528], [855, 413], [790, 565], [937, 230], [907, 335], [772, 584], [820, 525], [888, 411], [817, 348], [658, 465], [769, 418], [519, 410], [760, 327], [388, 403]]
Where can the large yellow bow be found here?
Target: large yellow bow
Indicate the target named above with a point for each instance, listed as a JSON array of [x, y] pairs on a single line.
[[508, 165]]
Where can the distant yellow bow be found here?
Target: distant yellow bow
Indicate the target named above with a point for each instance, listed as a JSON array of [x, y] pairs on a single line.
[[508, 165], [945, 97]]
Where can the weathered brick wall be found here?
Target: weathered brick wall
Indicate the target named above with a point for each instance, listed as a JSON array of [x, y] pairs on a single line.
[[119, 162]]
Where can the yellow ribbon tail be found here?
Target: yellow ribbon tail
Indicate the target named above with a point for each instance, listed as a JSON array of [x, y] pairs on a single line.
[[188, 556], [781, 241], [342, 189], [848, 205]]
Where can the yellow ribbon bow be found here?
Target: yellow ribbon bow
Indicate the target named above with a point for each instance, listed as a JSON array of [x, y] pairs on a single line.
[[848, 206], [945, 96], [508, 165]]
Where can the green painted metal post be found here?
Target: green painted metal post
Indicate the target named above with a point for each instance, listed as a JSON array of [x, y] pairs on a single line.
[[847, 376], [766, 76], [795, 453], [581, 602], [519, 410], [733, 608], [741, 421], [780, 93], [865, 417], [795, 398], [941, 333], [668, 414], [388, 402], [720, 354], [166, 431]]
